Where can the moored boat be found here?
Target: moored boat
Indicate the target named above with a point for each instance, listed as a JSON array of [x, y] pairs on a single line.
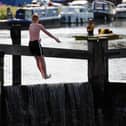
[[104, 10], [121, 10], [75, 14], [49, 16]]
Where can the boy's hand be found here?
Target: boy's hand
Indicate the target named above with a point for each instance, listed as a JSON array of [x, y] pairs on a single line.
[[57, 40]]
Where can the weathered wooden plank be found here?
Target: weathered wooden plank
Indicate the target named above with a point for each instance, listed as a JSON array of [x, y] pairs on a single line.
[[48, 52], [116, 53], [98, 74], [1, 85], [108, 36], [15, 33], [1, 70], [97, 63], [97, 71], [116, 84]]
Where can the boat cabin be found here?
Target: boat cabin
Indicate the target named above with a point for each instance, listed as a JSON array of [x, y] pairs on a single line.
[[104, 6], [43, 12], [103, 9]]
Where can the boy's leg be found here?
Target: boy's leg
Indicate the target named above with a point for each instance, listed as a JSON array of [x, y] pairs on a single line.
[[42, 67]]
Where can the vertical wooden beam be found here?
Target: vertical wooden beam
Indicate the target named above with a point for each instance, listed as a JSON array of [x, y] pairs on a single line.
[[1, 69], [1, 81], [15, 33], [98, 63], [98, 74]]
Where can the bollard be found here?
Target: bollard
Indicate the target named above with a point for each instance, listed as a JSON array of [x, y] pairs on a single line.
[[15, 33]]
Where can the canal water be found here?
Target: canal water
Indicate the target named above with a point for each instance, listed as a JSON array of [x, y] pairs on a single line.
[[66, 70]]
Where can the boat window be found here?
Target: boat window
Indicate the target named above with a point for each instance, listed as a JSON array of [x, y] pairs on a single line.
[[90, 10], [66, 10], [101, 6], [77, 10], [62, 10], [40, 12], [98, 6], [28, 14], [85, 10], [106, 7], [20, 14], [52, 12], [82, 10], [55, 11], [123, 6]]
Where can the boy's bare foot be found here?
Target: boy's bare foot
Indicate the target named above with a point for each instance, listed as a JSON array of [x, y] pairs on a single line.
[[48, 76]]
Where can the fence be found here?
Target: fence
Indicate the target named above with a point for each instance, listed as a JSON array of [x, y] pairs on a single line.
[[109, 99]]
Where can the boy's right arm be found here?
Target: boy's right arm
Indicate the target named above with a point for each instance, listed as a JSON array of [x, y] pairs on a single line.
[[49, 34]]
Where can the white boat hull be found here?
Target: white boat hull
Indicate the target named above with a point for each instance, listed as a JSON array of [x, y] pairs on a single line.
[[74, 19], [121, 10], [121, 14], [75, 14]]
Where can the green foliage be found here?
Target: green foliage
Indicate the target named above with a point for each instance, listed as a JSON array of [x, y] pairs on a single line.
[[3, 11]]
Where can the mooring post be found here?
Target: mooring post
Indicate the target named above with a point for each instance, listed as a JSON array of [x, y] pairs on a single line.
[[98, 73], [15, 32]]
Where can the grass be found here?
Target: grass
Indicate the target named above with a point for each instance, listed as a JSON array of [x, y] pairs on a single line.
[[3, 11]]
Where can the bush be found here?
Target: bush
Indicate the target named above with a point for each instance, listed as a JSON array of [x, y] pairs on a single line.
[[3, 11]]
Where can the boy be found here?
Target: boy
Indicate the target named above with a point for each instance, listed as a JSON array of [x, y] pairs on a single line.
[[35, 46]]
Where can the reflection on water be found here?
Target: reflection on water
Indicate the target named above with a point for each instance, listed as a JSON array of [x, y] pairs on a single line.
[[120, 23], [64, 70]]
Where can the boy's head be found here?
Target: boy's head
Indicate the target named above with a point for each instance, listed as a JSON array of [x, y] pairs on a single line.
[[35, 18], [90, 20]]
